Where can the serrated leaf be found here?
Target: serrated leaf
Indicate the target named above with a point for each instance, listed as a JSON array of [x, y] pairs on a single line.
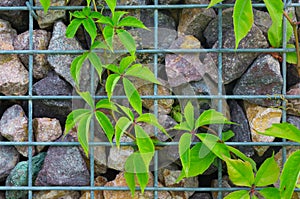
[[99, 44], [74, 117], [105, 20], [227, 135], [90, 27], [184, 151], [106, 104], [110, 85], [133, 96], [127, 40], [87, 98], [243, 157], [105, 124], [126, 62], [77, 14], [83, 132], [143, 141], [283, 130], [73, 27], [96, 15], [214, 2], [113, 68], [108, 34], [189, 115], [76, 66], [242, 19], [111, 4], [289, 175], [151, 119], [121, 126], [241, 194], [240, 172], [267, 173], [117, 16], [211, 116], [45, 4], [291, 57], [137, 70], [131, 21], [270, 193], [96, 62], [86, 11], [183, 126], [127, 111]]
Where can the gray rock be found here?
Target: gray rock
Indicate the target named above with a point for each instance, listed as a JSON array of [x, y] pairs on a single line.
[[293, 104], [13, 126], [47, 20], [201, 196], [19, 176], [53, 194], [225, 184], [166, 2], [63, 166], [40, 42], [292, 75], [2, 195], [9, 157], [294, 120], [52, 85], [242, 129], [262, 78]]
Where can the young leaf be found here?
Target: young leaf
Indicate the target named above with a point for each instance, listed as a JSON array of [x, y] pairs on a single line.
[[77, 14], [141, 72], [76, 65], [113, 68], [151, 119], [267, 173], [131, 21], [88, 2], [105, 20], [227, 135], [241, 194], [105, 103], [90, 27], [189, 115], [211, 116], [270, 193], [112, 5], [243, 157], [242, 19], [183, 126], [127, 40], [46, 5], [143, 141], [130, 179], [214, 2], [110, 85], [291, 57], [98, 44], [121, 126], [105, 124], [126, 62], [240, 172], [117, 16], [83, 132], [108, 34], [87, 98], [74, 117], [127, 111], [133, 96], [184, 151], [96, 62], [95, 15], [289, 175], [73, 27]]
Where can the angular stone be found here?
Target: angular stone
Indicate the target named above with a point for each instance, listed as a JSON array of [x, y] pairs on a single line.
[[47, 20], [201, 196], [56, 195], [99, 181], [63, 166], [52, 85], [294, 120], [261, 118], [13, 126], [46, 130], [19, 176], [40, 42], [262, 78], [225, 184], [292, 75], [294, 104], [9, 157], [166, 2], [242, 130]]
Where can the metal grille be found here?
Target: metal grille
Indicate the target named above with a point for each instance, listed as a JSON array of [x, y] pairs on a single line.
[[30, 98]]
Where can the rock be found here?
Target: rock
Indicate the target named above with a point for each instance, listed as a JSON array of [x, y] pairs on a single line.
[[201, 196], [261, 118], [292, 75], [13, 126], [293, 104], [56, 194], [47, 20], [294, 120], [18, 18], [19, 176], [13, 75], [166, 2], [242, 129], [40, 42], [262, 78], [120, 181], [99, 181], [63, 166], [46, 130], [235, 64], [169, 180], [194, 21], [2, 195], [9, 157], [52, 85], [225, 184]]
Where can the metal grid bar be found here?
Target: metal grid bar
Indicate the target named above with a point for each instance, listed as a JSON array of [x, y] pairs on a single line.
[[156, 8]]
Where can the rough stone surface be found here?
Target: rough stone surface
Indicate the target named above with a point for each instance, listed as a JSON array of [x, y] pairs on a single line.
[[225, 184], [52, 85], [261, 118], [56, 195], [292, 75], [47, 20], [201, 196], [13, 126], [294, 120], [40, 42], [294, 104], [9, 157], [262, 78], [2, 195], [19, 176], [99, 181], [242, 130], [46, 130], [63, 166], [166, 2]]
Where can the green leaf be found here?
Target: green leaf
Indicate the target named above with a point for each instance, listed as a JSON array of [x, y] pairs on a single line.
[[127, 111], [243, 157], [214, 2], [86, 11], [46, 4], [108, 34], [76, 66], [126, 62], [127, 40], [133, 96], [240, 172], [270, 193], [106, 104], [88, 2], [184, 151], [131, 21], [267, 173], [98, 44], [227, 135], [189, 115], [241, 194], [289, 175], [283, 130], [137, 70], [96, 62], [87, 98], [90, 27], [96, 15], [130, 180], [143, 141], [117, 16], [105, 124], [122, 125], [112, 5], [73, 27], [151, 119], [110, 85], [74, 117], [183, 126], [291, 57], [77, 14], [83, 132], [211, 116], [105, 20], [113, 68]]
